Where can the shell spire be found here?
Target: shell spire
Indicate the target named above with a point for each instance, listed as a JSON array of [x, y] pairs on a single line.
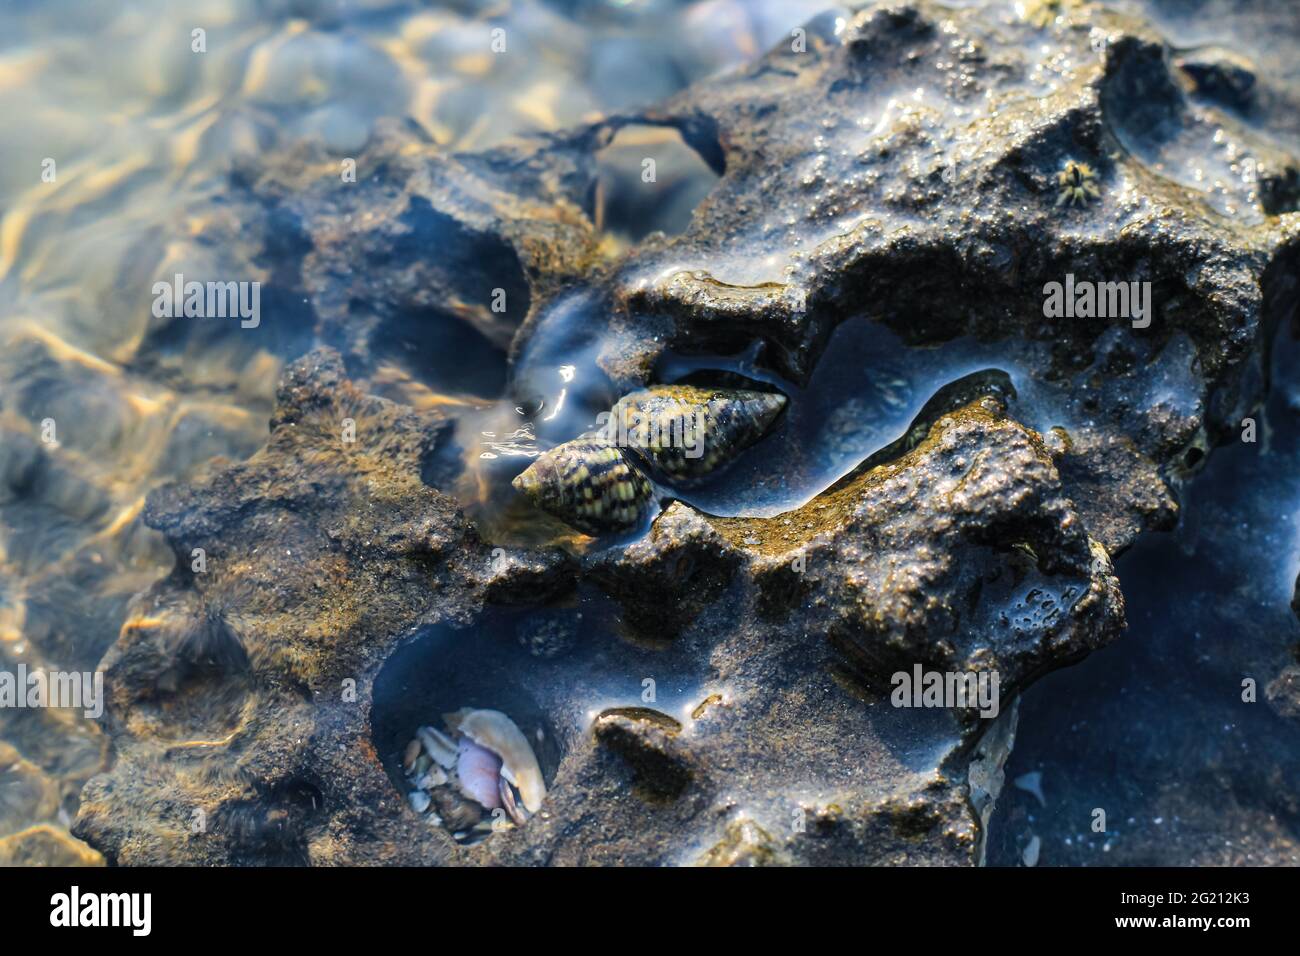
[[687, 433]]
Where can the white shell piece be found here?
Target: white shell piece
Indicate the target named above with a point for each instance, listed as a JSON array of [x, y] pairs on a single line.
[[498, 733]]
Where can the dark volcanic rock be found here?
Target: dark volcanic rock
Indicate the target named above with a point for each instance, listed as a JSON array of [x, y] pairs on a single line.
[[1202, 691], [250, 723], [241, 678]]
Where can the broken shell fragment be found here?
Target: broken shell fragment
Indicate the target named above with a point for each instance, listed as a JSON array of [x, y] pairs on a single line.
[[433, 777], [507, 794], [478, 771], [458, 813], [412, 754], [439, 746], [498, 733]]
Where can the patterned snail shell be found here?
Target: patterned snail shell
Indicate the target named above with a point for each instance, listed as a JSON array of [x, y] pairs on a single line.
[[687, 433], [682, 433], [588, 483]]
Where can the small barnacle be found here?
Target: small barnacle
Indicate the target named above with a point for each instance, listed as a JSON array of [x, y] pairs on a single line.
[[1077, 184]]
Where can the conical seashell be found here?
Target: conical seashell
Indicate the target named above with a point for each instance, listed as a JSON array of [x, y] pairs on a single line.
[[496, 732], [588, 483], [687, 433]]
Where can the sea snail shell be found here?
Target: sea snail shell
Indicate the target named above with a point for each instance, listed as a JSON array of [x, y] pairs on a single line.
[[682, 434]]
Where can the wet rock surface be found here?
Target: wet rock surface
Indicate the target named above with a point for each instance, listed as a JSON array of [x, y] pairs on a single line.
[[716, 688], [1210, 632], [253, 694]]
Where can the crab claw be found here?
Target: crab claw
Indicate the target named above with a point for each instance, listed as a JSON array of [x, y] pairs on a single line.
[[508, 801]]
